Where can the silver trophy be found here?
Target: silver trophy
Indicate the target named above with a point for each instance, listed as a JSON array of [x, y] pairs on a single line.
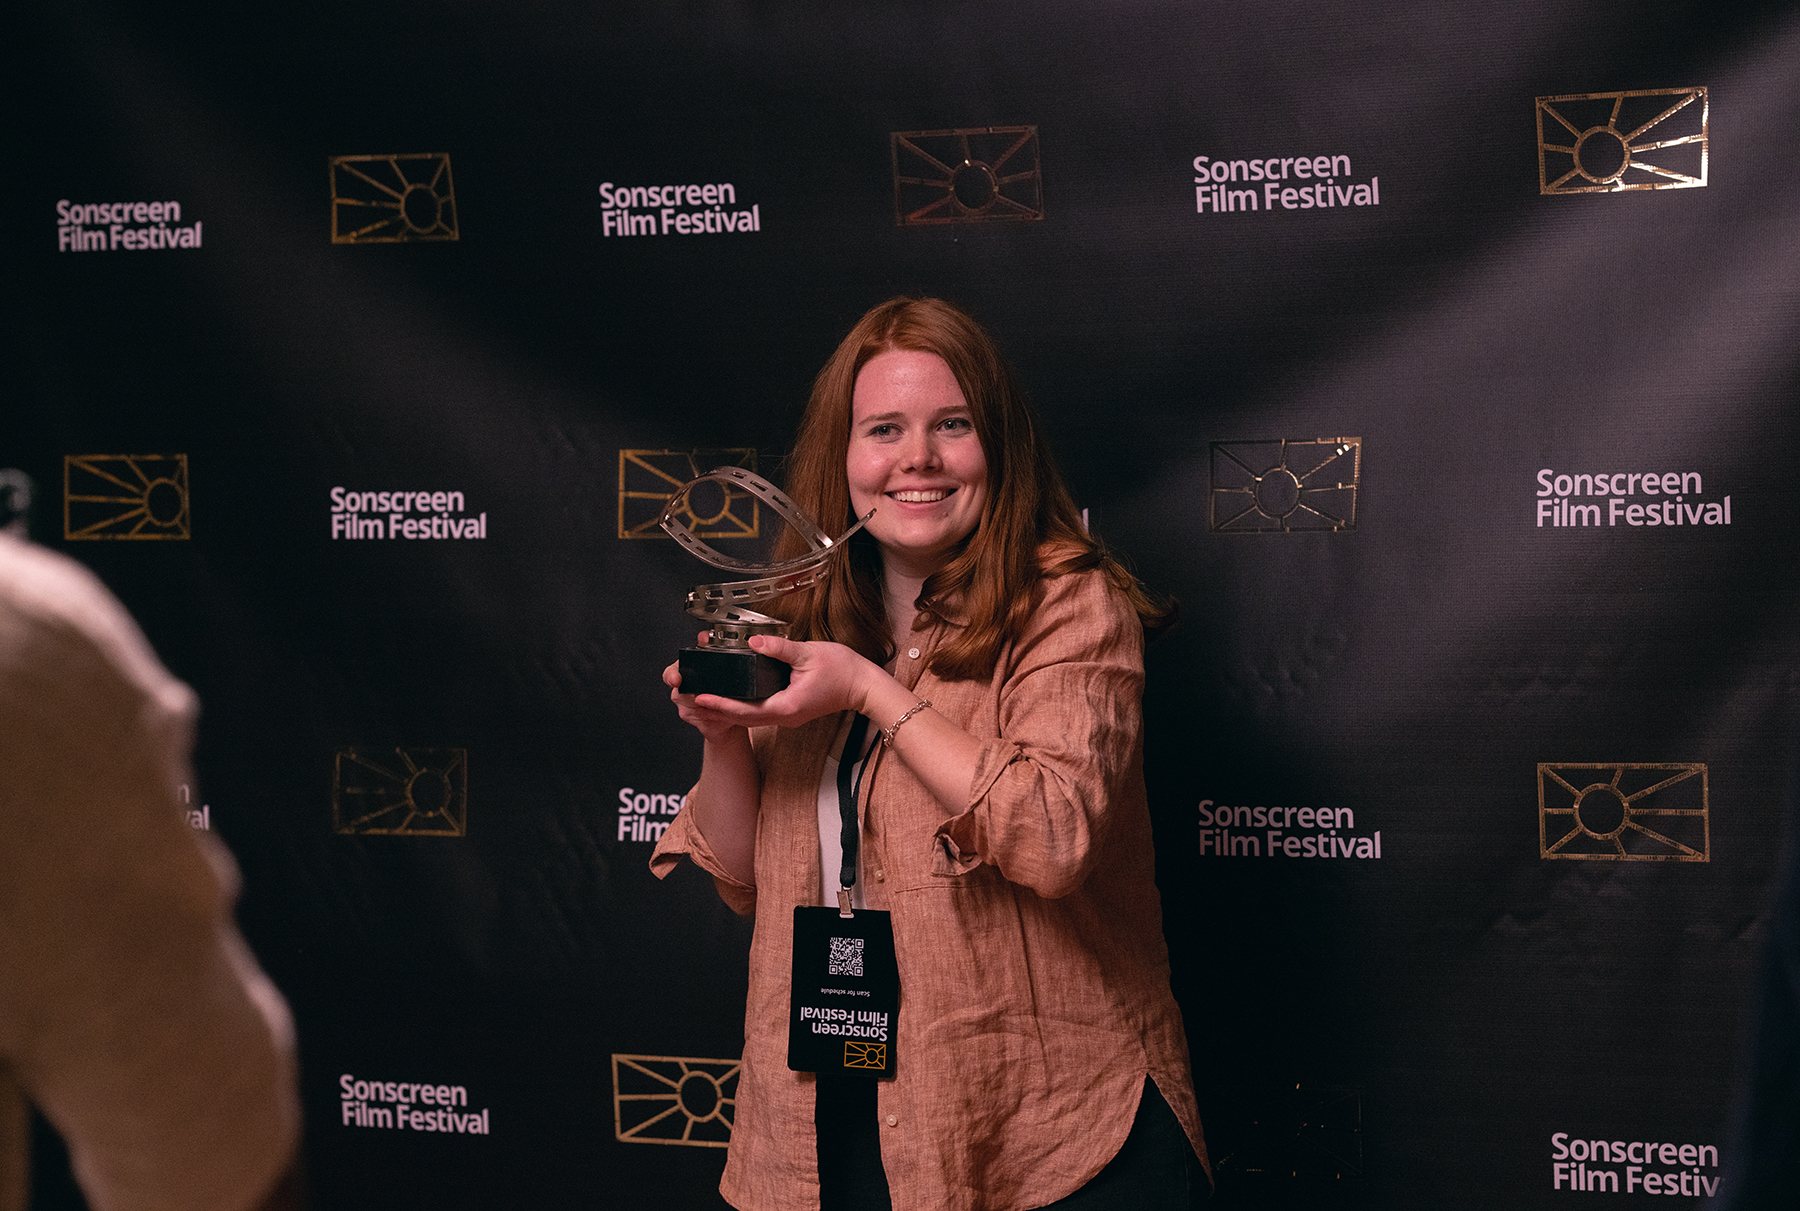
[[726, 665]]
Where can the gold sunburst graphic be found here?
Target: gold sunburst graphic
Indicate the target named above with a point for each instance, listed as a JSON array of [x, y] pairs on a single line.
[[972, 174], [1285, 485], [414, 792], [671, 1099], [1615, 142], [392, 199], [125, 496], [648, 478], [1624, 812]]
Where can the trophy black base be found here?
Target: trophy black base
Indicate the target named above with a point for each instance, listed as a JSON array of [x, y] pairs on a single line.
[[731, 673]]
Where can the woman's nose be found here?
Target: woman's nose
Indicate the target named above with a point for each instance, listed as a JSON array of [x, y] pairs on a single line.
[[920, 453]]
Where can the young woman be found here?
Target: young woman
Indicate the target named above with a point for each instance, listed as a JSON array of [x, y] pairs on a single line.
[[1040, 1054]]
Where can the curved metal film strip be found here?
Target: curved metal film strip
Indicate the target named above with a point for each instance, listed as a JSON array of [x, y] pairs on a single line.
[[725, 603]]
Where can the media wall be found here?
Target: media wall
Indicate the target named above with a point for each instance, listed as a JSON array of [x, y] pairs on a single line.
[[1440, 357]]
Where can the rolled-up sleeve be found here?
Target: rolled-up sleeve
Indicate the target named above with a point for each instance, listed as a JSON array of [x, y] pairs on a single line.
[[1070, 729], [683, 839]]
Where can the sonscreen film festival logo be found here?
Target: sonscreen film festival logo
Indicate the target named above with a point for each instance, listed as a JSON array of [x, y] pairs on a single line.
[[403, 514], [1279, 183], [1624, 812], [644, 816], [123, 227], [670, 1099], [1285, 486], [409, 792], [692, 209], [409, 1106], [1653, 138], [140, 497], [394, 199], [1626, 499], [648, 478], [1242, 831], [972, 174], [1599, 1166]]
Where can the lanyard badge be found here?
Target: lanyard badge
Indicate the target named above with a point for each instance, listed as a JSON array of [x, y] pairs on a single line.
[[845, 1007]]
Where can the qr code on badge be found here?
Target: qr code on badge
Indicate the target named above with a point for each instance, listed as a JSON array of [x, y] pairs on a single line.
[[846, 957]]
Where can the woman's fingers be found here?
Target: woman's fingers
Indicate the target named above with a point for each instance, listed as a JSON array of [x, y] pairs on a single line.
[[824, 680], [780, 648]]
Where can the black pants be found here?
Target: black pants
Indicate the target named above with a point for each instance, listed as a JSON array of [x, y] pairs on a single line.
[[1155, 1169]]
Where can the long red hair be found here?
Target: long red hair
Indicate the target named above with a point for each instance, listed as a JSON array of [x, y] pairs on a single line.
[[1029, 527]]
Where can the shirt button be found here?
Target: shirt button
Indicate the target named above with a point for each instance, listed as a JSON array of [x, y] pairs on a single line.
[[893, 1120], [912, 653], [881, 876]]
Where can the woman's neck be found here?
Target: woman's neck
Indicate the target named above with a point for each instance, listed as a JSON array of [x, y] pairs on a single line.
[[899, 591]]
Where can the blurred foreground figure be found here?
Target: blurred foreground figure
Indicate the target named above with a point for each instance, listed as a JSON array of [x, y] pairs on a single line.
[[131, 1012]]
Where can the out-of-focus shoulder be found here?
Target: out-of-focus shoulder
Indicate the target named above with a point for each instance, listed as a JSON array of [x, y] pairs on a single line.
[[39, 583], [49, 599]]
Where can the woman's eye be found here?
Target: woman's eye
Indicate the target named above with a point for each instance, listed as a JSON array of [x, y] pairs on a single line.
[[957, 422], [882, 431]]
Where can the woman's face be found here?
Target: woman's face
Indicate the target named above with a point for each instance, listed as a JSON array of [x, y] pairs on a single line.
[[915, 459]]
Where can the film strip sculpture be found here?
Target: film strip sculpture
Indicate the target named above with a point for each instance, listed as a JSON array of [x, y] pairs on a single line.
[[726, 665]]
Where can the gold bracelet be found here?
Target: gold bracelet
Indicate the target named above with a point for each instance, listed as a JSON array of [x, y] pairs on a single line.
[[887, 733]]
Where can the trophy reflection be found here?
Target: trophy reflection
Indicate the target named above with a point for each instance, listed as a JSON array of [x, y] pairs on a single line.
[[726, 665]]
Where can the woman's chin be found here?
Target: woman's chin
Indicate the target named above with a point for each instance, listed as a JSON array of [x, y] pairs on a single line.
[[919, 558]]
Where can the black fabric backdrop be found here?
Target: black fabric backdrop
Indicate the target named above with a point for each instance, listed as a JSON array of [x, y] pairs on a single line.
[[1410, 1031]]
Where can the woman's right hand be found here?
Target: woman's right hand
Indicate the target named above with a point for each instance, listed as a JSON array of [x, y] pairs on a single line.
[[725, 802], [712, 726]]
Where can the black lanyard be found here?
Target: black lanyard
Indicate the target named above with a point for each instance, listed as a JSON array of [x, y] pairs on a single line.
[[850, 838], [845, 993]]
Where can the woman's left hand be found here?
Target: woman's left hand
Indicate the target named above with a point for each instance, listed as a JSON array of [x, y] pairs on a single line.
[[826, 678]]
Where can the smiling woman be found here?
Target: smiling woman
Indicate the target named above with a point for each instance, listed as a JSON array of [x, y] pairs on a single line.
[[995, 844]]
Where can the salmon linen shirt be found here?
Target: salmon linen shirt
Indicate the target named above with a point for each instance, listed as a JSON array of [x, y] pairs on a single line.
[[1034, 979]]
